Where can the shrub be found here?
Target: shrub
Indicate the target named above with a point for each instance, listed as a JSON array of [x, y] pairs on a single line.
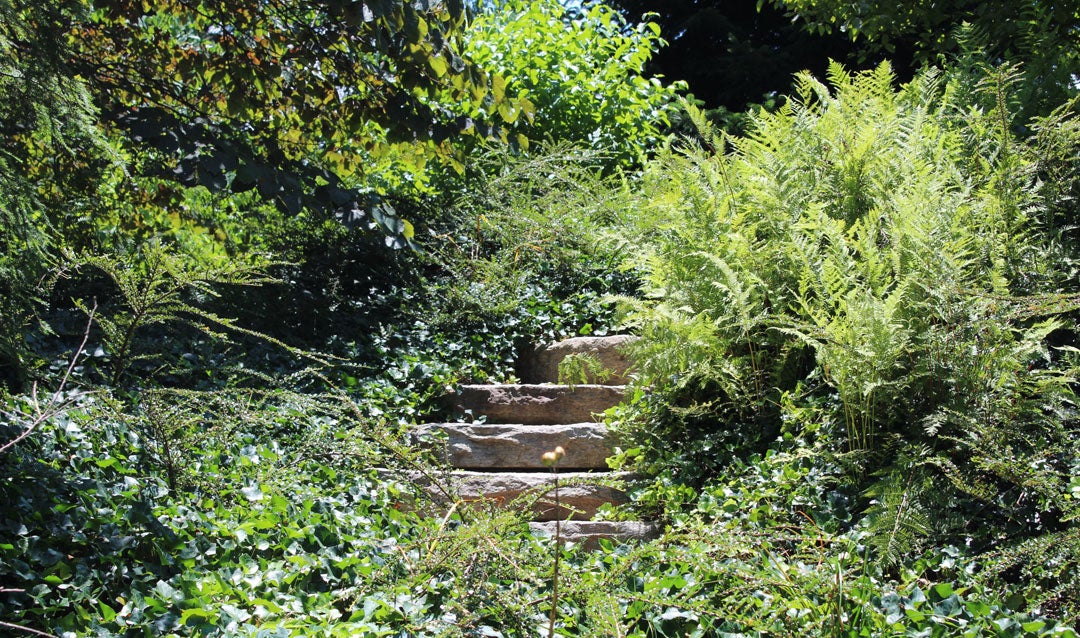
[[518, 259], [867, 268], [582, 70]]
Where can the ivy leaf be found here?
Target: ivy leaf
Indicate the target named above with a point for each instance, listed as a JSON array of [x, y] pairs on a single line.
[[252, 493]]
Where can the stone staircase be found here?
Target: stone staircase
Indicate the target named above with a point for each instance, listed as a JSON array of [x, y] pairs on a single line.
[[498, 461]]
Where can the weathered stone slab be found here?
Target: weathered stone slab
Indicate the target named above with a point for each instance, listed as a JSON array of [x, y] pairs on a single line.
[[588, 533], [517, 446], [533, 404], [576, 499], [579, 497], [542, 365]]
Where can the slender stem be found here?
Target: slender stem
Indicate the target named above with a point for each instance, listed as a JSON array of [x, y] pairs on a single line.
[[558, 551], [26, 629]]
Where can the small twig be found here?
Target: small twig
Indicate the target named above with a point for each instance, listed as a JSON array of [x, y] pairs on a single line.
[[26, 629], [502, 554], [442, 526], [40, 415], [558, 552]]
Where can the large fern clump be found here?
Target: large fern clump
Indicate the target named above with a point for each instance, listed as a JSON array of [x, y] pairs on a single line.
[[869, 273]]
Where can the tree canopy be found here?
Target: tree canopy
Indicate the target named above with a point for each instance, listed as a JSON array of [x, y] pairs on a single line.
[[583, 70], [296, 100]]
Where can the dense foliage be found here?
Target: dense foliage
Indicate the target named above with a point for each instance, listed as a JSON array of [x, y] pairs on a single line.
[[245, 245], [1041, 36], [279, 528], [873, 276], [296, 101], [581, 71]]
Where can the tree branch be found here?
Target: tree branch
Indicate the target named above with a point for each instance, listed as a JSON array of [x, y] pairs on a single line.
[[26, 629]]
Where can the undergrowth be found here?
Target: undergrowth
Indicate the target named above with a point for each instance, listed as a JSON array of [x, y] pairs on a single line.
[[292, 534], [874, 275], [855, 400]]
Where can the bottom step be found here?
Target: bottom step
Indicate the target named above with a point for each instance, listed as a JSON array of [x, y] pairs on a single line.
[[588, 533], [580, 495]]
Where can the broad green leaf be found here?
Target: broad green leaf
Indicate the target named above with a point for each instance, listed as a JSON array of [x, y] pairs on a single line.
[[252, 493], [438, 65], [197, 614], [498, 89]]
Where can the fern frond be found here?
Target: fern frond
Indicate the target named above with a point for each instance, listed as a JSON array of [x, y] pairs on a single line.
[[897, 519], [582, 367]]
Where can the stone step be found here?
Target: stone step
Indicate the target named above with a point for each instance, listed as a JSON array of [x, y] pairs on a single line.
[[578, 499], [517, 446], [579, 494], [542, 364], [588, 533], [534, 404]]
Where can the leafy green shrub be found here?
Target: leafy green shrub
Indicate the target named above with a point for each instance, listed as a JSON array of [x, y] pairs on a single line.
[[50, 155], [582, 70], [518, 260], [865, 269], [156, 287]]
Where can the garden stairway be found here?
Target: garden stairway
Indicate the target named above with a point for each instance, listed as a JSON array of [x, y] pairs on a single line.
[[499, 460]]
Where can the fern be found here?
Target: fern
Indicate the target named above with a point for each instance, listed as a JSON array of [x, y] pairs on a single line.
[[582, 367], [891, 232], [897, 519]]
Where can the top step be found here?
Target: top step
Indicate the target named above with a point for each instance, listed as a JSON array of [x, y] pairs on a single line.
[[542, 364]]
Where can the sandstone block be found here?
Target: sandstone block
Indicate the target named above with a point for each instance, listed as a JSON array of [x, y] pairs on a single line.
[[532, 404], [579, 495], [517, 446], [542, 365], [589, 533]]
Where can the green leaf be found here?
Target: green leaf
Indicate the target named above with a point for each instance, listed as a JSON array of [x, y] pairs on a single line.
[[438, 65], [252, 493], [107, 612], [914, 614], [199, 614], [978, 608], [508, 112], [279, 503], [498, 89], [948, 607]]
